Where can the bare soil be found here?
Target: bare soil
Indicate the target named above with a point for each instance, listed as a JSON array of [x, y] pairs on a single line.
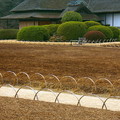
[[94, 62], [21, 109]]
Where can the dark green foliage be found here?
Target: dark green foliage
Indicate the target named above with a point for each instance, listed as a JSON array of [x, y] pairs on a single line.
[[33, 33], [107, 24], [94, 35], [71, 16], [52, 28], [8, 33], [72, 30], [119, 35], [91, 23], [115, 31], [104, 29], [5, 7]]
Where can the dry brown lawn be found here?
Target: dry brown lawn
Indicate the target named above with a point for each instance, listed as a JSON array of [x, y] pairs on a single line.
[[20, 109], [94, 62]]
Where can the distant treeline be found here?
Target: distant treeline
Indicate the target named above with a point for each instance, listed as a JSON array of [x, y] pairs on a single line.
[[5, 7]]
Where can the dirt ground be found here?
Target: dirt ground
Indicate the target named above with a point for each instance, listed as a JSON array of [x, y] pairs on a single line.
[[60, 60], [21, 109]]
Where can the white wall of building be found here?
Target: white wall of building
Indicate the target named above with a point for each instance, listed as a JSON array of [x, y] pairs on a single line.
[[117, 19], [111, 18]]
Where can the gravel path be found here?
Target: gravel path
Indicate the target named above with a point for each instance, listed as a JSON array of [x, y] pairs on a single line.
[[65, 98]]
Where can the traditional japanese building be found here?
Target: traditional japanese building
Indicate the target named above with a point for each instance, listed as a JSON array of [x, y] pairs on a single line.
[[40, 12], [37, 12]]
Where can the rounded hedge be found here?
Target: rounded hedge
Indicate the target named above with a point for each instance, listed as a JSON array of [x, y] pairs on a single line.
[[71, 16], [115, 31], [33, 33], [94, 35], [8, 34], [104, 29], [91, 23], [52, 28], [72, 30]]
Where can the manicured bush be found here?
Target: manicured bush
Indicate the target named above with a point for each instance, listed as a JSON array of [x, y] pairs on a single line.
[[91, 23], [8, 33], [72, 30], [104, 29], [71, 16], [94, 35], [115, 31], [52, 28], [33, 33], [119, 35]]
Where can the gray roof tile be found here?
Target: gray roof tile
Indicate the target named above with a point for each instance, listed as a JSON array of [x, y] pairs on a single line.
[[42, 5]]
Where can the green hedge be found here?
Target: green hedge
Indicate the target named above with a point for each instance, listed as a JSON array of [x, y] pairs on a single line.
[[52, 28], [72, 30], [94, 35], [91, 23], [104, 29], [115, 31], [8, 33], [71, 16], [33, 33]]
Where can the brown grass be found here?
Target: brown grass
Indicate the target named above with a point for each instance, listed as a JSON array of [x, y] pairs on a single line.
[[20, 109], [94, 62]]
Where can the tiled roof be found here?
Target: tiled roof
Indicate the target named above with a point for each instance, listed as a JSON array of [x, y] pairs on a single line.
[[42, 5]]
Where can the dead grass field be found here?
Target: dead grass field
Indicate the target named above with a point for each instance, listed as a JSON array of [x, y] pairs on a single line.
[[21, 109], [94, 62]]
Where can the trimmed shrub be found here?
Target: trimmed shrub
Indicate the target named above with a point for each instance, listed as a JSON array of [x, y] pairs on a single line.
[[72, 30], [115, 31], [92, 23], [94, 35], [104, 29], [52, 28], [8, 33], [71, 16], [119, 35], [33, 33]]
